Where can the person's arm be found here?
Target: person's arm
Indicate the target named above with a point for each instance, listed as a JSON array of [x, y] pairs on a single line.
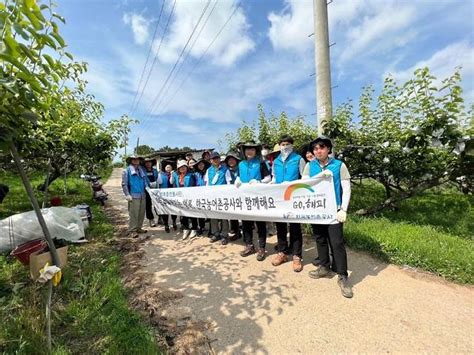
[[302, 165], [206, 178], [172, 179], [346, 187], [159, 180], [125, 187], [305, 174]]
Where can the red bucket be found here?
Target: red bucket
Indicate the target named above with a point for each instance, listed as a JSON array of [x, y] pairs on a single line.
[[23, 251]]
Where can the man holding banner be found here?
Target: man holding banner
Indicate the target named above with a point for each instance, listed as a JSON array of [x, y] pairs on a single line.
[[253, 170], [287, 167], [331, 234]]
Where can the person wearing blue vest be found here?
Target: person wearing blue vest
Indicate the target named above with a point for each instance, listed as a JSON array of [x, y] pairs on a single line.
[[232, 160], [134, 183], [164, 181], [152, 175], [253, 170], [200, 169], [288, 166], [185, 178], [218, 174], [331, 235]]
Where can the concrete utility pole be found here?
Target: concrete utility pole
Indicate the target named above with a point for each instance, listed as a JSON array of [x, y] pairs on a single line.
[[323, 64]]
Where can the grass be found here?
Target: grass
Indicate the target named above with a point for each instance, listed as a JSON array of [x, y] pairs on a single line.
[[433, 231], [90, 311]]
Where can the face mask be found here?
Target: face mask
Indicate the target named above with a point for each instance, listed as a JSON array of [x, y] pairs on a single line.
[[287, 150], [264, 153]]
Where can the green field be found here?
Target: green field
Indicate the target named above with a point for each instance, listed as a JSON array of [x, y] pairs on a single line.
[[90, 312]]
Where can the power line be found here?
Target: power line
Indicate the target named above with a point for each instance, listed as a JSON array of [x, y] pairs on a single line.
[[156, 53], [200, 58], [179, 58], [147, 59], [187, 54]]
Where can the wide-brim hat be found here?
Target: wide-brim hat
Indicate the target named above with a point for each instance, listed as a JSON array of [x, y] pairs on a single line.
[[251, 144], [232, 155], [182, 163], [215, 155], [321, 139], [134, 156], [273, 154], [206, 164], [152, 160], [167, 162]]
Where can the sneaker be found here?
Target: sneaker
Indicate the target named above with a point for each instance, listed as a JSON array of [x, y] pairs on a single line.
[[214, 238], [193, 234], [249, 250], [279, 259], [234, 236], [224, 240], [152, 223], [346, 288], [261, 254], [186, 233], [317, 261], [297, 264], [141, 231], [320, 272], [167, 229]]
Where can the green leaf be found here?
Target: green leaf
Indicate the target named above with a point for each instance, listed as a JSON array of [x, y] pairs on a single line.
[[50, 60], [59, 39], [33, 19], [30, 3], [60, 18], [15, 62], [11, 43], [27, 52]]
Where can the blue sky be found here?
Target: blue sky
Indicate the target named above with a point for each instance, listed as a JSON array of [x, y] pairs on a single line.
[[263, 55]]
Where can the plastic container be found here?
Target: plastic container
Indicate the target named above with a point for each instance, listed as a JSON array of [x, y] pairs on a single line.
[[23, 251]]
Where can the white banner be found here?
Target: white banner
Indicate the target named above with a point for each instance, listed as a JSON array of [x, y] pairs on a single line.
[[302, 201]]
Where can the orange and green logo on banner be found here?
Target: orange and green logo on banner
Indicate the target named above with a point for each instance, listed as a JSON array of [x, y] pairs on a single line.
[[292, 188]]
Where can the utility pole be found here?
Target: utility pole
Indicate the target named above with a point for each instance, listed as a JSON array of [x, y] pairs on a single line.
[[323, 64]]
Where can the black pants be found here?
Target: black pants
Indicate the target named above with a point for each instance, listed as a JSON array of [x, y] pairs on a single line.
[[202, 223], [194, 222], [166, 219], [296, 239], [148, 206], [247, 227], [331, 235], [234, 226]]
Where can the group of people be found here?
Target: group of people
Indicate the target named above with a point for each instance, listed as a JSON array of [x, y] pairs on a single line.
[[252, 163]]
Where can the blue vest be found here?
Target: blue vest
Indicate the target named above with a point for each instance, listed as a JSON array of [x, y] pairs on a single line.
[[221, 171], [250, 170], [335, 166], [165, 184], [137, 182], [199, 179], [288, 170], [189, 180]]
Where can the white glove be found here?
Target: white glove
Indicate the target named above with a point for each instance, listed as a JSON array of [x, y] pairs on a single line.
[[341, 216], [128, 198], [253, 181], [238, 183], [48, 272], [326, 173], [153, 185]]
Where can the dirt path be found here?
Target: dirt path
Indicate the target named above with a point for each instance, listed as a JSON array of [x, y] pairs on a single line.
[[253, 307]]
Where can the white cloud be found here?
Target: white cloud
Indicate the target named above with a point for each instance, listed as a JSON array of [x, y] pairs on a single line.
[[387, 27], [290, 28], [443, 63], [233, 43], [139, 26]]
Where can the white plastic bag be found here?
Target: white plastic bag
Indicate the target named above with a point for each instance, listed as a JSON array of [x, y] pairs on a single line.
[[63, 223]]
